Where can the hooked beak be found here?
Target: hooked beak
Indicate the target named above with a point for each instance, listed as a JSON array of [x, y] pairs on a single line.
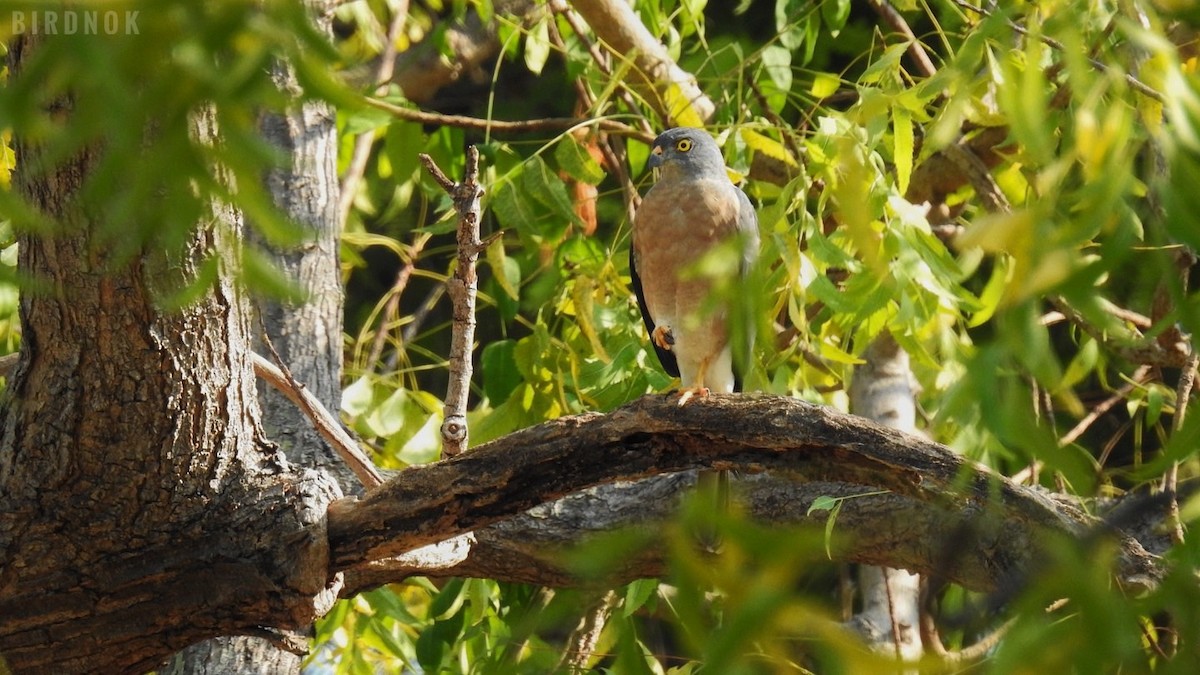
[[656, 158]]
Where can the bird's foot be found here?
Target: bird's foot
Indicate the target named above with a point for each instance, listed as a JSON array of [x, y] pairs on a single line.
[[688, 393], [663, 337]]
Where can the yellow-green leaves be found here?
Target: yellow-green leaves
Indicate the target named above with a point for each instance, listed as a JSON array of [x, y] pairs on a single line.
[[902, 146]]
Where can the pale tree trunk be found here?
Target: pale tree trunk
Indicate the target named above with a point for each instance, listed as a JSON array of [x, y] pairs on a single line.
[[306, 335], [882, 391]]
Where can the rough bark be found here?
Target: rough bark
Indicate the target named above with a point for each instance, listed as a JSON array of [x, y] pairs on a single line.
[[307, 336], [942, 514], [130, 449]]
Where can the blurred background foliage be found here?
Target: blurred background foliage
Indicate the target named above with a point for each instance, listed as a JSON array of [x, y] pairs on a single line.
[[1020, 214]]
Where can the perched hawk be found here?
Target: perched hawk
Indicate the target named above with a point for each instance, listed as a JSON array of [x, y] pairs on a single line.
[[692, 209]]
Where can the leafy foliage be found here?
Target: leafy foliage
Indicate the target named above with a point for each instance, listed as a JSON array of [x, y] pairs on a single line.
[[1021, 220], [1001, 286]]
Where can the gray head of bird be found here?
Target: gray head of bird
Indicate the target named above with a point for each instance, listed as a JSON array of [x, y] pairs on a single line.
[[686, 152]]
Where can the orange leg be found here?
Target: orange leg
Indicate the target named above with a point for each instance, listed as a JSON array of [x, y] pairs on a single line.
[[697, 390]]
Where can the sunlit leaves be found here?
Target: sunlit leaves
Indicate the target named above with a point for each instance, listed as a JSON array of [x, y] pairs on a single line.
[[972, 288], [404, 423], [777, 65], [1026, 99], [573, 157], [537, 46], [903, 147], [152, 96]]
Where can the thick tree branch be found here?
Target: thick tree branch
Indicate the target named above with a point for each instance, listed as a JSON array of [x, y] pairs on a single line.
[[956, 519], [618, 26]]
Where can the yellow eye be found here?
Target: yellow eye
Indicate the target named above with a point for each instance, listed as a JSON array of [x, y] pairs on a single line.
[[683, 144]]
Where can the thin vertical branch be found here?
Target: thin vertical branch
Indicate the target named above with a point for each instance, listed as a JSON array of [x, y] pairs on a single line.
[[1184, 261], [462, 288], [1183, 394], [581, 644], [392, 307]]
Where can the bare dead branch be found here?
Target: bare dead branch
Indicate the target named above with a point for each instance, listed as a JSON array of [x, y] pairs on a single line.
[[1127, 344], [502, 126], [581, 644], [323, 421], [462, 288], [1183, 395], [1103, 407]]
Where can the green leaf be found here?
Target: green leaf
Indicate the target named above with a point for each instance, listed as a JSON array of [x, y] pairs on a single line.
[[424, 445], [579, 164], [1154, 404], [791, 33], [1026, 99], [431, 650], [505, 271], [835, 12], [903, 147], [403, 142], [499, 366], [357, 398], [777, 62], [825, 85], [680, 107], [637, 593], [448, 600], [515, 208], [547, 188], [823, 503], [537, 46], [389, 417], [829, 522], [887, 63]]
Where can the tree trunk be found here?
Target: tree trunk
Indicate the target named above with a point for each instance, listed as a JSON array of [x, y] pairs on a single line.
[[143, 509], [882, 391], [306, 335], [141, 506]]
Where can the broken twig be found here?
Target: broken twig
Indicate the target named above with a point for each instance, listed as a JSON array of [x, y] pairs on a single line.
[[462, 288]]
